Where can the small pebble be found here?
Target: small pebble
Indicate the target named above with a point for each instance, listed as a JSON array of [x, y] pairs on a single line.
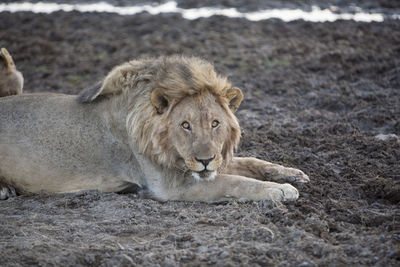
[[386, 137], [393, 254], [374, 260], [202, 249], [223, 255]]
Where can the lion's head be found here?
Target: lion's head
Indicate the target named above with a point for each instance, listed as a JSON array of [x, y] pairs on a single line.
[[178, 111]]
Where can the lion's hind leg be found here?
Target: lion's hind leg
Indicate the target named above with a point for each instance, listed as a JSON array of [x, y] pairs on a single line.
[[6, 191]]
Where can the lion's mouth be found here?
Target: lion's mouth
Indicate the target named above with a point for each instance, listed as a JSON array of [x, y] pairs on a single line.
[[204, 175]]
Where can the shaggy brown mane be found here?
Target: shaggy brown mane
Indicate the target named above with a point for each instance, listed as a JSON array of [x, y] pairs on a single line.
[[182, 76], [178, 77]]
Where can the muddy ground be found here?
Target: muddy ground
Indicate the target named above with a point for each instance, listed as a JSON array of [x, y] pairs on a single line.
[[317, 95]]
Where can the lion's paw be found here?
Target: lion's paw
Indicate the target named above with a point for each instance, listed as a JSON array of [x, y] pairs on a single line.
[[6, 191], [295, 176], [289, 175], [289, 192], [282, 192]]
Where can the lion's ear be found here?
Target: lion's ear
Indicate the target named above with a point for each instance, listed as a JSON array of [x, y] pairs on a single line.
[[159, 100], [235, 97], [89, 94], [113, 84]]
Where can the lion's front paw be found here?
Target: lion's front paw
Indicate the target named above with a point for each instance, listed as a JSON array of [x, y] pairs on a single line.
[[295, 175], [289, 192], [282, 192], [6, 191], [283, 174]]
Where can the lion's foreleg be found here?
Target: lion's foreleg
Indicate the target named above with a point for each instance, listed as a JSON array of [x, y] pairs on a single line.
[[263, 170], [237, 187]]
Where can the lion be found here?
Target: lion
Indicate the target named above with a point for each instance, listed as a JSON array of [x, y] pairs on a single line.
[[11, 80], [165, 124]]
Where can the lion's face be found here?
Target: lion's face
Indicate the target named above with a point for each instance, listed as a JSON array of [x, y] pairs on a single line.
[[198, 131]]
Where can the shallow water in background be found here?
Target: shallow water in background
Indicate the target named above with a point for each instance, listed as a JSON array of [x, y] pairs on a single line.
[[315, 15]]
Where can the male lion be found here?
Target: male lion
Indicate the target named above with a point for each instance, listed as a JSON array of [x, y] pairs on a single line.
[[165, 124], [11, 80]]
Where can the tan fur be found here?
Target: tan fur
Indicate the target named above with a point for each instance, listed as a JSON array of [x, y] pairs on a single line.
[[150, 122], [11, 80]]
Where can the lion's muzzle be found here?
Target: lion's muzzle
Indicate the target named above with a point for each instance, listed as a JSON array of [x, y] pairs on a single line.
[[205, 162], [198, 164], [204, 168]]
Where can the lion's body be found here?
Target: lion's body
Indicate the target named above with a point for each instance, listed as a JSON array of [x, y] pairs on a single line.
[[46, 150], [126, 132]]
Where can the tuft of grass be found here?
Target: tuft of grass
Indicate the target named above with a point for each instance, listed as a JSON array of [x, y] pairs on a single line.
[[244, 66], [41, 69], [75, 80], [277, 63], [102, 55]]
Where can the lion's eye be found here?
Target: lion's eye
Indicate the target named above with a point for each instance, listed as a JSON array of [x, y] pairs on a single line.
[[215, 124], [185, 125]]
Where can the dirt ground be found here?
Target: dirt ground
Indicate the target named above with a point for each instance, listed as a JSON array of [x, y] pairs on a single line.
[[317, 97]]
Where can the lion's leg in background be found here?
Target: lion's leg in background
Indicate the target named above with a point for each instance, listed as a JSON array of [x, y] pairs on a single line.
[[265, 171], [236, 187]]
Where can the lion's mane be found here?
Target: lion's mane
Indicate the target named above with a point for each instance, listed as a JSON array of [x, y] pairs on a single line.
[[178, 77]]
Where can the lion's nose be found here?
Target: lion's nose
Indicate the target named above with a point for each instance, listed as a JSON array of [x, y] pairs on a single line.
[[205, 161]]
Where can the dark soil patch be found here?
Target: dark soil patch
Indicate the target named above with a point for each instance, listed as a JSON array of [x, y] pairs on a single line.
[[316, 95]]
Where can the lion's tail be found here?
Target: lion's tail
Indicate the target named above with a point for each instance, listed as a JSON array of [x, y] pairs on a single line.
[[11, 80]]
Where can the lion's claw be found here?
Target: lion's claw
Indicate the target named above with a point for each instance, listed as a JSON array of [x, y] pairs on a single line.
[[289, 175], [300, 177], [6, 191]]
